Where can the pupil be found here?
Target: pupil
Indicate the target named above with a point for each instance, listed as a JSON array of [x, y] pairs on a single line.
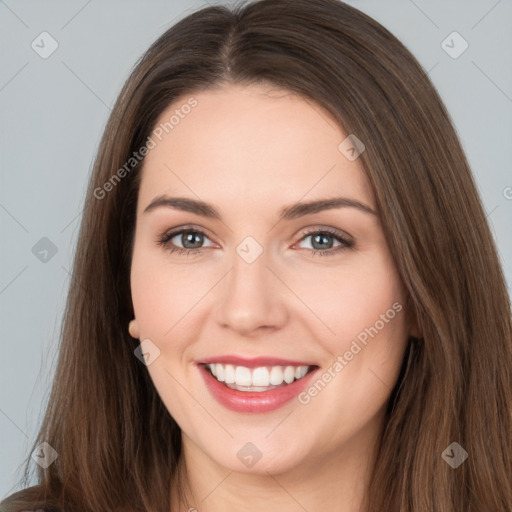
[[190, 237], [321, 239]]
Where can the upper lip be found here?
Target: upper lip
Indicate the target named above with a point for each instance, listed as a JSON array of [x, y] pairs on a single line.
[[254, 362]]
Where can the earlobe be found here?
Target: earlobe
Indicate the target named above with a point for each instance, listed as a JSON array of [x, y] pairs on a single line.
[[414, 330], [133, 329]]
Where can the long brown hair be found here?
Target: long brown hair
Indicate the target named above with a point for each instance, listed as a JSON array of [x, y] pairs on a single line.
[[118, 446]]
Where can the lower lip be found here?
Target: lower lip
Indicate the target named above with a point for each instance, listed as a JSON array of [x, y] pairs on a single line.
[[253, 401]]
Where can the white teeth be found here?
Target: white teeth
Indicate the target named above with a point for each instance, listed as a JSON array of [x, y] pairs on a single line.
[[229, 373], [262, 378], [276, 375], [289, 374], [243, 376], [219, 372]]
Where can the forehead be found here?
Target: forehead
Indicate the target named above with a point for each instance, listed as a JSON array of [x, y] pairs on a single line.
[[249, 145]]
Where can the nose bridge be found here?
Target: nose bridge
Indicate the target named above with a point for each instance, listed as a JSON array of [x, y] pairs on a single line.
[[250, 298], [249, 273]]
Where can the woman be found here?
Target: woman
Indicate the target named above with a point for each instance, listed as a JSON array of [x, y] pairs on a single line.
[[210, 359]]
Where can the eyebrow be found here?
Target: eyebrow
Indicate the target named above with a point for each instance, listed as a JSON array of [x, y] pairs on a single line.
[[293, 211]]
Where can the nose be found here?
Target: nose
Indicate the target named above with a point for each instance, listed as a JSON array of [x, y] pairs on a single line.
[[252, 298]]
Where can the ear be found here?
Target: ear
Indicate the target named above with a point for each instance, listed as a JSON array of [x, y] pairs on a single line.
[[133, 329], [412, 323], [414, 329]]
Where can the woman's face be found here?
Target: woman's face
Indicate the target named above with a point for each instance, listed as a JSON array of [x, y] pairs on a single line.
[[250, 295]]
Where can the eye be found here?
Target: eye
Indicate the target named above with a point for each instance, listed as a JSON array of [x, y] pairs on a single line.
[[322, 244], [190, 238]]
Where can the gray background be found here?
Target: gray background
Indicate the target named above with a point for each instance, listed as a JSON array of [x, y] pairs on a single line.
[[53, 112]]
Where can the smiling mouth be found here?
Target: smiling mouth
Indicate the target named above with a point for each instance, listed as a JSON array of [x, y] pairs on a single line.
[[259, 379]]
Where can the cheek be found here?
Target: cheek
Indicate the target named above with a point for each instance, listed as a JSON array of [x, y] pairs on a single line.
[[150, 304], [163, 300], [353, 298], [161, 293], [367, 314]]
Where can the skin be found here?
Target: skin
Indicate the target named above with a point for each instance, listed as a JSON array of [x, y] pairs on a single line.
[[250, 151]]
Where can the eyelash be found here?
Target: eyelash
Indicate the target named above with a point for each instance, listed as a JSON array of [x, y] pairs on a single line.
[[163, 241]]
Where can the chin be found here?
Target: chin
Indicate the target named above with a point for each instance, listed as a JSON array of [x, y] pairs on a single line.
[[259, 457]]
